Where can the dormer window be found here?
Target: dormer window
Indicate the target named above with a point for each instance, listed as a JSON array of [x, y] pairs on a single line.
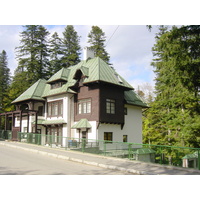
[[55, 85]]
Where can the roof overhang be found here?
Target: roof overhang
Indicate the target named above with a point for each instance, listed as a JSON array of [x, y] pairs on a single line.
[[50, 122], [83, 123]]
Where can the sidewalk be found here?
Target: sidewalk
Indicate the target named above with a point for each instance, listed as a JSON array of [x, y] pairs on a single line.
[[134, 167]]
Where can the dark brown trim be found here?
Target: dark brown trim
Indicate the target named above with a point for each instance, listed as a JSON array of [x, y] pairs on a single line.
[[27, 122], [20, 126], [20, 114], [111, 84], [60, 108]]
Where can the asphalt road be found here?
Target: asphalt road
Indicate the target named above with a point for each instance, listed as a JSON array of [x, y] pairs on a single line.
[[19, 162]]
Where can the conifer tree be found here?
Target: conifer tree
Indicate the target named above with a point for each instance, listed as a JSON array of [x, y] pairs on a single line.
[[33, 52], [173, 118], [97, 39], [55, 45], [71, 48], [4, 80], [43, 53]]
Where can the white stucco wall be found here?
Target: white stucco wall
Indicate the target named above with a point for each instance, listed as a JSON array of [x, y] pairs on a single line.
[[132, 127], [133, 124]]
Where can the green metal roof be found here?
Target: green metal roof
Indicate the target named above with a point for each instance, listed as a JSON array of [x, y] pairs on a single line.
[[60, 75], [133, 99], [94, 70], [49, 122], [33, 92], [83, 123], [56, 121], [101, 71]]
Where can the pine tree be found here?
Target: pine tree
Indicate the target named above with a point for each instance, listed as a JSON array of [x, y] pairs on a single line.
[[55, 44], [97, 39], [33, 52], [173, 118], [43, 53], [71, 48], [4, 79]]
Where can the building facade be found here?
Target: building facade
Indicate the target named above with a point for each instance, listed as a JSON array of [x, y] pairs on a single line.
[[89, 100]]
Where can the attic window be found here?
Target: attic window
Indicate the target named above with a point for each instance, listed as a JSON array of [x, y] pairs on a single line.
[[57, 85], [118, 78]]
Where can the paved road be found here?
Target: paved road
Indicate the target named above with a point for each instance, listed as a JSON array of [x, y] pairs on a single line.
[[19, 162]]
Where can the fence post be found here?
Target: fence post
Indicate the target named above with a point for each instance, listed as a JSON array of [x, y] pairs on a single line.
[[19, 136], [198, 159], [129, 151], [83, 144], [161, 155], [104, 147], [51, 140]]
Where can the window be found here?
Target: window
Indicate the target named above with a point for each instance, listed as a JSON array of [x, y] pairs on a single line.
[[55, 108], [110, 106], [57, 85], [84, 106], [125, 138], [40, 110], [108, 136]]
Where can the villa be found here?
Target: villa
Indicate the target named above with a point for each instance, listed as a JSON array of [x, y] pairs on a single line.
[[89, 100]]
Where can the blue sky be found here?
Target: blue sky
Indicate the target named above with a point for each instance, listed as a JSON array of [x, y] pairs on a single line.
[[129, 48]]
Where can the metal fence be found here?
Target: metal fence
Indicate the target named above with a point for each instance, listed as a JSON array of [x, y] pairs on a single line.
[[165, 155], [7, 135]]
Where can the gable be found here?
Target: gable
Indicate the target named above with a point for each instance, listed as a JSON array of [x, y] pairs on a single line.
[[33, 92]]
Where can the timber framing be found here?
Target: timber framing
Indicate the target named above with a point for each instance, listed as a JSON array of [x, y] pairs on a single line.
[[10, 124]]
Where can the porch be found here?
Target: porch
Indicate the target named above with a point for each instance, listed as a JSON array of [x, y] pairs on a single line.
[[11, 122]]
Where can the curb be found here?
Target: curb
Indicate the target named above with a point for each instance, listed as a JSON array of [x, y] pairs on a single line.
[[77, 160], [133, 171]]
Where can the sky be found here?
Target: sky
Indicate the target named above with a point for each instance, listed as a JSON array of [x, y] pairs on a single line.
[[130, 53], [129, 47]]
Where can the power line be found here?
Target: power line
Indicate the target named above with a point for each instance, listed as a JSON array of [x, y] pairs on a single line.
[[112, 34]]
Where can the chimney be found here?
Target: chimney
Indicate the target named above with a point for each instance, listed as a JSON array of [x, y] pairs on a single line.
[[88, 53]]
